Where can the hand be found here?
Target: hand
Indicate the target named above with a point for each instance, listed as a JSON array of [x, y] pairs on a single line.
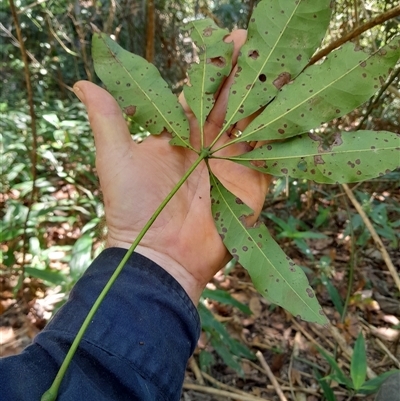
[[135, 179]]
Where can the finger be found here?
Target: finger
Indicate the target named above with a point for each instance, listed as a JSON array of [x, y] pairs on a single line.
[[109, 127]]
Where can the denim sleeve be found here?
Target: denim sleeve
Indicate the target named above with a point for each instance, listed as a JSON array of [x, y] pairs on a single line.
[[136, 347]]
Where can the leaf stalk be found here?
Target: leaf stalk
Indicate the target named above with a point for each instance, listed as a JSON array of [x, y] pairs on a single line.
[[52, 392]]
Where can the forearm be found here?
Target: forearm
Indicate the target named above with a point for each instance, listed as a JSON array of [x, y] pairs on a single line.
[[137, 346]]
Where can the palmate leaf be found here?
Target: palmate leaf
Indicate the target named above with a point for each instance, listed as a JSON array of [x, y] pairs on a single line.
[[282, 36], [351, 157], [274, 274], [215, 63], [139, 89], [345, 80]]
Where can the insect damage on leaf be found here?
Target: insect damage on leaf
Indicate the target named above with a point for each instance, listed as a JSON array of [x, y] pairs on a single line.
[[316, 95], [270, 57], [214, 65], [274, 275], [140, 90], [346, 158]]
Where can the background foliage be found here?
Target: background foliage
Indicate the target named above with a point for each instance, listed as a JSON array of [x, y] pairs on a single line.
[[62, 232]]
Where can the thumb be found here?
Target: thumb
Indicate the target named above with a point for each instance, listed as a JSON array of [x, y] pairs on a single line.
[[109, 127]]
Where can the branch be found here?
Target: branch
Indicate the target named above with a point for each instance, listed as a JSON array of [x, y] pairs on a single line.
[[380, 19], [33, 154], [375, 236], [271, 376]]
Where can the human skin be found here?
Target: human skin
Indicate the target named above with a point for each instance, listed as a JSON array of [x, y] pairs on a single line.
[[135, 179]]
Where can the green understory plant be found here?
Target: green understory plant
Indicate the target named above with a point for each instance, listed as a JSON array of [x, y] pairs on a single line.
[[357, 382], [293, 99]]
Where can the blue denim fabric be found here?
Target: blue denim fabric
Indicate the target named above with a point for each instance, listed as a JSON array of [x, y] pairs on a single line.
[[136, 347]]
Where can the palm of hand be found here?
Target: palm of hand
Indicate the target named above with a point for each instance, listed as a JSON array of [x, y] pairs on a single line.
[[142, 176]]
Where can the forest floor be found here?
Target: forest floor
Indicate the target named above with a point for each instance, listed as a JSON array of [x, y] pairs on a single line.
[[288, 346]]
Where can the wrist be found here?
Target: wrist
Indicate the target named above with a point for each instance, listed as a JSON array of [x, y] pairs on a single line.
[[188, 282]]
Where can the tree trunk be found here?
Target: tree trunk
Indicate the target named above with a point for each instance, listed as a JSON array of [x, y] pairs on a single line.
[[150, 31]]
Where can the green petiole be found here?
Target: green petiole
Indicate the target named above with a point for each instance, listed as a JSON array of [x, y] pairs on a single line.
[[52, 393]]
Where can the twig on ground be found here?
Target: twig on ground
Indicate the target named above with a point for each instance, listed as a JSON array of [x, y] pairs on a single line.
[[196, 371], [222, 385], [221, 393], [309, 337], [375, 236], [297, 340], [388, 353], [380, 19], [271, 376], [320, 334]]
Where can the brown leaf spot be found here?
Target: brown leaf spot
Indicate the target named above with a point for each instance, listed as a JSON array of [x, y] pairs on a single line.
[[208, 31], [130, 110], [254, 54], [284, 170], [245, 248], [358, 161], [282, 80], [217, 61], [258, 163], [338, 139], [239, 201], [299, 57], [352, 165], [318, 159], [310, 292]]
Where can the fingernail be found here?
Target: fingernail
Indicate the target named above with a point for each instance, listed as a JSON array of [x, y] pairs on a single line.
[[79, 94]]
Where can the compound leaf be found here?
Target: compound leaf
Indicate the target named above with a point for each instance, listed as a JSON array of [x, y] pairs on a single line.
[[139, 89], [351, 157], [346, 79], [273, 273], [215, 63], [282, 36]]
